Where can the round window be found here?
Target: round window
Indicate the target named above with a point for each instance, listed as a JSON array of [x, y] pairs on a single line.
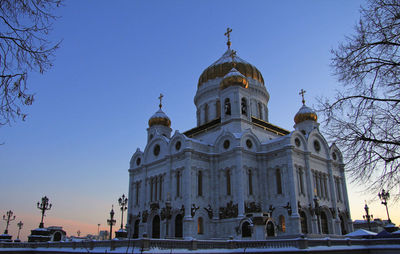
[[297, 142], [226, 144], [156, 150], [317, 146], [304, 132], [249, 144], [138, 161], [178, 145]]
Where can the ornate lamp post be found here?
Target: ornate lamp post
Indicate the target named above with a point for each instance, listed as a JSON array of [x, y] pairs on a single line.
[[384, 197], [8, 217], [123, 202], [111, 221], [19, 224], [367, 216], [43, 206]]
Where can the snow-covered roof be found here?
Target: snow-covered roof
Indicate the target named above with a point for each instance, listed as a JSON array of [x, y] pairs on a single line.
[[361, 232]]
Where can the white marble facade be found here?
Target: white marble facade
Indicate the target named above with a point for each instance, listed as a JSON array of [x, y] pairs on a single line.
[[235, 175]]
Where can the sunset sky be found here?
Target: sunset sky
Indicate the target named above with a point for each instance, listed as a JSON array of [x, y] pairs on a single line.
[[116, 57]]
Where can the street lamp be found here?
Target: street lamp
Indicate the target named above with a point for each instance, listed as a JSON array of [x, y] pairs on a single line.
[[98, 229], [384, 197], [43, 206], [111, 221], [367, 216], [123, 202], [19, 224], [8, 217]]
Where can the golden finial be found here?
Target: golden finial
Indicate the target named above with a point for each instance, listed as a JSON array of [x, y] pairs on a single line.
[[302, 92], [160, 98], [228, 35], [233, 55]]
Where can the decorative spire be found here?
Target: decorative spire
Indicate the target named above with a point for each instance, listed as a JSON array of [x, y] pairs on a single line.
[[233, 54], [160, 98], [228, 35], [302, 92]]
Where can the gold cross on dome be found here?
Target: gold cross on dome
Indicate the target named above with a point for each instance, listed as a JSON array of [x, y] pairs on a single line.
[[160, 98], [302, 92], [228, 35]]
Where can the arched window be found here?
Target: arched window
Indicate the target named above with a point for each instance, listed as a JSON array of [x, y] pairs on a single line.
[[324, 223], [250, 182], [178, 226], [246, 230], [227, 106], [278, 181], [282, 223], [301, 183], [218, 109], [303, 222], [342, 225], [200, 226], [136, 229], [270, 229], [156, 227], [228, 182], [260, 113], [244, 106], [205, 113], [200, 183]]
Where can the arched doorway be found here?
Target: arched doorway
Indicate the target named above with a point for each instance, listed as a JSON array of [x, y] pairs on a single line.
[[178, 226], [303, 222], [324, 223], [136, 229], [246, 230], [270, 229], [57, 237], [342, 225], [156, 227]]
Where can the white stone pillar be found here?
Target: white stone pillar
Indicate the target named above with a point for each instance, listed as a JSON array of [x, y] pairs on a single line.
[[295, 226], [239, 180]]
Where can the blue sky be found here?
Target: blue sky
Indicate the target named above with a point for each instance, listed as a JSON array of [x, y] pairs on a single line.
[[116, 57]]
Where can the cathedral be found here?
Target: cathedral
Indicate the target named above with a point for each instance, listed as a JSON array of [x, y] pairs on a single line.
[[235, 175]]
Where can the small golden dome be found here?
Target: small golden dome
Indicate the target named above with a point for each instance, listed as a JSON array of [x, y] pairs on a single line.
[[234, 78], [159, 118], [305, 113], [223, 65]]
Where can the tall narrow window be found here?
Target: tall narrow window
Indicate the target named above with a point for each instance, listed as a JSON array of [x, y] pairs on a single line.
[[218, 108], [325, 187], [200, 184], [178, 183], [244, 106], [137, 193], [301, 181], [200, 226], [205, 113], [260, 114], [155, 188], [250, 182], [160, 191], [278, 181], [227, 106], [228, 182], [151, 189]]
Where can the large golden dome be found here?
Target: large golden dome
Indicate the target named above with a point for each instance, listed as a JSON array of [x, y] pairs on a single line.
[[159, 118], [225, 64], [305, 113]]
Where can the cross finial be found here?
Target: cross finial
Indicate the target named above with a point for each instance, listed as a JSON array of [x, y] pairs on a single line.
[[228, 35], [160, 98], [302, 92], [233, 54]]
